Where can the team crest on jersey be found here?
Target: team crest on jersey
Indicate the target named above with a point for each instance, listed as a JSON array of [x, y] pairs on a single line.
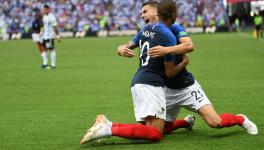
[[148, 34]]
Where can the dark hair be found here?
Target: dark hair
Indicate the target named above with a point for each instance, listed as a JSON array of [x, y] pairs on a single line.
[[151, 3], [46, 6], [167, 9]]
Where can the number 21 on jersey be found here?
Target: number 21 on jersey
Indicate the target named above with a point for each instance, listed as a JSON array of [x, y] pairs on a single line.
[[144, 57]]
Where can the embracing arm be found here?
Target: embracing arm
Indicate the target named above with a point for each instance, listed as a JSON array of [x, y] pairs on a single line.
[[171, 69], [185, 46]]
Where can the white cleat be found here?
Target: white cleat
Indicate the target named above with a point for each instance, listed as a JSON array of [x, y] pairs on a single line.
[[99, 130], [190, 119], [249, 125], [102, 118]]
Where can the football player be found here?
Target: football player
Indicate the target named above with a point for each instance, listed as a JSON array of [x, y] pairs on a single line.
[[147, 86], [183, 90], [36, 37], [50, 31]]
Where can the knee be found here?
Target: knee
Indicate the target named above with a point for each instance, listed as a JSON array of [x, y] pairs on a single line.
[[215, 123], [156, 137]]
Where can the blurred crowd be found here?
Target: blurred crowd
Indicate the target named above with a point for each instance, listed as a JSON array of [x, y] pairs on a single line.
[[95, 15]]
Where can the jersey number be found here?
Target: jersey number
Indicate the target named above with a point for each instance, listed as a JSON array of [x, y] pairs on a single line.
[[144, 57], [198, 95]]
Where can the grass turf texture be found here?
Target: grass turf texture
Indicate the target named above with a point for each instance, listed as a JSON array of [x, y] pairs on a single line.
[[51, 109]]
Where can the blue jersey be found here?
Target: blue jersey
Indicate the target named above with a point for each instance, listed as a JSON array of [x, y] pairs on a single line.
[[151, 70], [36, 26], [184, 78]]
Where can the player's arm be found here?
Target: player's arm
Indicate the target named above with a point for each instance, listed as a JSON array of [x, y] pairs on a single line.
[[185, 46], [172, 70], [55, 28], [126, 50]]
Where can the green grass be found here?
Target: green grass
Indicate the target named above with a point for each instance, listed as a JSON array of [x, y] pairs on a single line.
[[51, 109]]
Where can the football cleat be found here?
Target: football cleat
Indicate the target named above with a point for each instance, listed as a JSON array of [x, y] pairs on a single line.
[[249, 125], [102, 118], [99, 130], [190, 119], [53, 67], [45, 66]]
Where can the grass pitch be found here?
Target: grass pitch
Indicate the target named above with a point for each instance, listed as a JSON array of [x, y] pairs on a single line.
[[51, 109]]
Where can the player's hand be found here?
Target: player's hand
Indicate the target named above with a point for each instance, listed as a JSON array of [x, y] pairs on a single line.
[[124, 51], [158, 51], [185, 59], [58, 38]]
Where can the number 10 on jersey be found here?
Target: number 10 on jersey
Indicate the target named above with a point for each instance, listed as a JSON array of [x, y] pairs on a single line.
[[144, 57]]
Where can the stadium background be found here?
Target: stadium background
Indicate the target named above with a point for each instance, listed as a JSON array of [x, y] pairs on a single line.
[[51, 109], [81, 18]]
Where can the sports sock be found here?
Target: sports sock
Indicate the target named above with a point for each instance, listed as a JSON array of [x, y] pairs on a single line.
[[53, 58], [169, 127], [44, 56], [229, 120], [116, 124], [137, 132]]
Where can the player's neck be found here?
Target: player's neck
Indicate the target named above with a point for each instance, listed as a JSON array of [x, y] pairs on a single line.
[[167, 23]]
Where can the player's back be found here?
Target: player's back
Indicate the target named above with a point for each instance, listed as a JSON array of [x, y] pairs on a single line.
[[184, 78], [36, 26], [151, 70]]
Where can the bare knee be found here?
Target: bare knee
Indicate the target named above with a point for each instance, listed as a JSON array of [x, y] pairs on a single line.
[[214, 123]]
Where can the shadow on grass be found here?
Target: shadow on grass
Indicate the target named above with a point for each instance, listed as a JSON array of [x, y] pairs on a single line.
[[216, 133], [115, 142], [178, 135]]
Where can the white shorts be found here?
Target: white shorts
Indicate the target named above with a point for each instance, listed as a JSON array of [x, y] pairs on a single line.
[[191, 98], [148, 101], [36, 37]]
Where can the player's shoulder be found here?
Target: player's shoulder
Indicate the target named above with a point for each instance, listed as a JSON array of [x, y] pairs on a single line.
[[177, 27], [178, 30]]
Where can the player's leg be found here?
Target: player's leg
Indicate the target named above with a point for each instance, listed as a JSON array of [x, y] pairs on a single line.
[[44, 54], [52, 54], [213, 119], [149, 106], [175, 99], [226, 120]]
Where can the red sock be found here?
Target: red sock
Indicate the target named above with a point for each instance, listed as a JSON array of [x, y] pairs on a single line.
[[229, 120], [138, 132], [116, 124], [169, 127]]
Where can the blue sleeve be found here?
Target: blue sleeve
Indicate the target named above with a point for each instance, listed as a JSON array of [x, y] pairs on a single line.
[[170, 42], [137, 37], [179, 31]]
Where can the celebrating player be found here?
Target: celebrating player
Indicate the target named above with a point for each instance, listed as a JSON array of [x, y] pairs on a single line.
[[183, 90], [149, 15], [147, 84], [49, 30]]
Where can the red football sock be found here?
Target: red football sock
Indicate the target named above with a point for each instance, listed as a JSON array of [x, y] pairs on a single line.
[[169, 127], [138, 132], [116, 124], [229, 120]]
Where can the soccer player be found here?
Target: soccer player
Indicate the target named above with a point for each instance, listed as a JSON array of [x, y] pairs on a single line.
[[49, 31], [183, 90], [36, 29], [149, 15], [147, 84]]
